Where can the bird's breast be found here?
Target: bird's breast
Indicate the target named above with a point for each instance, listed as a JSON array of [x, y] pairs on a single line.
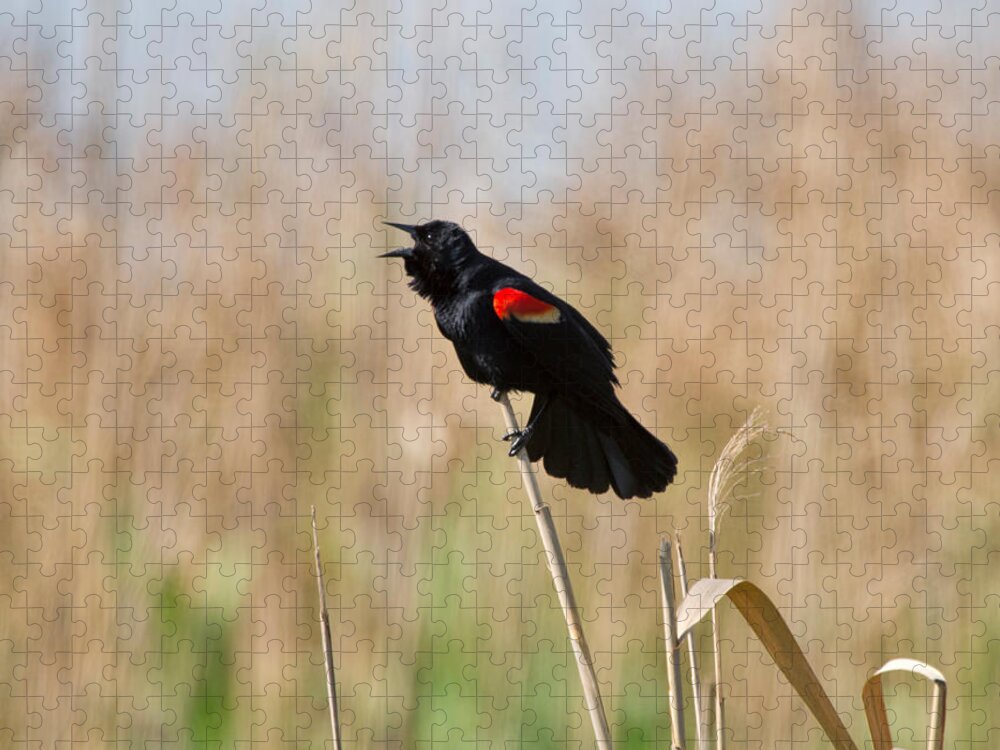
[[485, 349]]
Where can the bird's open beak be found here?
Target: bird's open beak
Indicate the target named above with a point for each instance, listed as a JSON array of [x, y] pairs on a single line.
[[403, 252]]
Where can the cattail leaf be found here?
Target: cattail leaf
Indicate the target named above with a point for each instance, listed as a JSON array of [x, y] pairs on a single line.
[[767, 623]]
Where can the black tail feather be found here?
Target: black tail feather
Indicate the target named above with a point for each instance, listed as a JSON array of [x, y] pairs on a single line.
[[594, 452]]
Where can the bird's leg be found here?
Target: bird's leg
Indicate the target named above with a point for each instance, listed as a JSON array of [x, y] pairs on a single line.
[[523, 436], [497, 394]]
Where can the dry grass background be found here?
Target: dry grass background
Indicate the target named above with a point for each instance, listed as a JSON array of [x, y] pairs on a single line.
[[794, 209]]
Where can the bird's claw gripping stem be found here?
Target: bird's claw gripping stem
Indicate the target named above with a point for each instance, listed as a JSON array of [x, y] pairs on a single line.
[[518, 438], [521, 437], [496, 394], [519, 442]]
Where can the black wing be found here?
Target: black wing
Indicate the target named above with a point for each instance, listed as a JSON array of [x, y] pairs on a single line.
[[573, 355]]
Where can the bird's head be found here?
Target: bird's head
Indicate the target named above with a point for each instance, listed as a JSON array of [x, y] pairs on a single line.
[[441, 250]]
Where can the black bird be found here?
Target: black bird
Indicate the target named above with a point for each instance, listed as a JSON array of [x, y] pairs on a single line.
[[512, 334]]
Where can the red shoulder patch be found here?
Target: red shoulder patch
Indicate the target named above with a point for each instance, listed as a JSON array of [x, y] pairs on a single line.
[[513, 303]]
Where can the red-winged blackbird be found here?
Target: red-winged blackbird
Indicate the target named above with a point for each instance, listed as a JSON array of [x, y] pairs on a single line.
[[512, 334]]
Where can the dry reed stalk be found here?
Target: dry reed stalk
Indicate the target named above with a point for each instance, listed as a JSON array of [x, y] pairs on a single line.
[[324, 619], [673, 648], [874, 702], [564, 589], [935, 728], [729, 466], [703, 724], [720, 701]]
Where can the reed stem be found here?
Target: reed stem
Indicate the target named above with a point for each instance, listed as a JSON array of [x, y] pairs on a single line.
[[720, 701], [564, 589], [703, 724], [673, 652], [324, 619]]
